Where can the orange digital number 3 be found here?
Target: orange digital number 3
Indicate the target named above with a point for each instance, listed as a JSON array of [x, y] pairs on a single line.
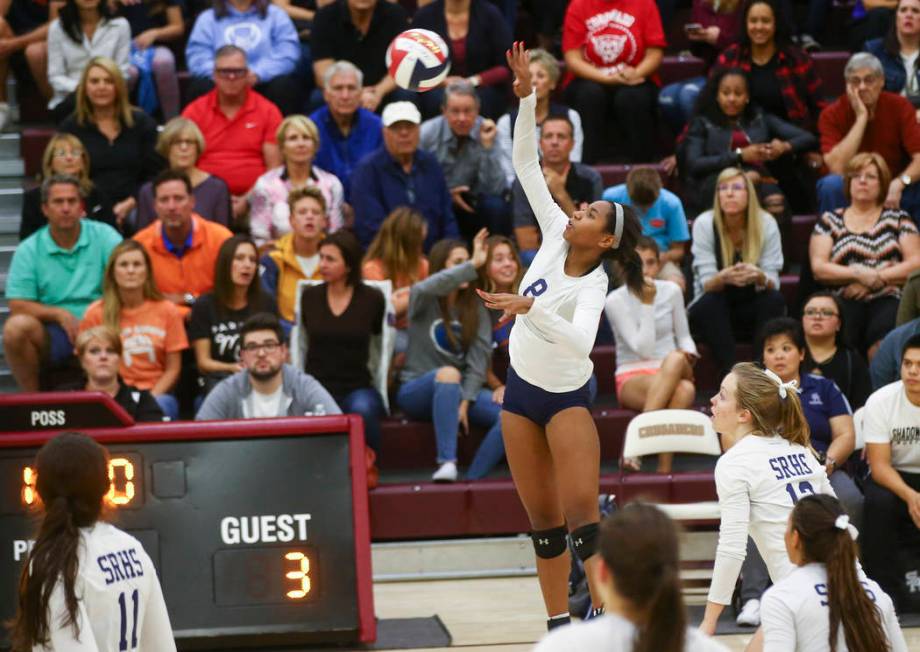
[[301, 575]]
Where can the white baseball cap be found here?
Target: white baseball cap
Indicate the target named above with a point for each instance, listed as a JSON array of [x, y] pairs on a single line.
[[399, 112]]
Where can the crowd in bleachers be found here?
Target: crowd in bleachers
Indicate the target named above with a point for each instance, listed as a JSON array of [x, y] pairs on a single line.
[[303, 236]]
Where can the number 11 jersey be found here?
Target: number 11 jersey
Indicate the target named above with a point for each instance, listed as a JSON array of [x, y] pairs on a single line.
[[120, 604]]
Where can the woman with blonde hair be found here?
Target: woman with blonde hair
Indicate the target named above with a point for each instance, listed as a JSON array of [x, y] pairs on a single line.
[[151, 328], [866, 252], [99, 352], [64, 154], [119, 138], [298, 140], [397, 253], [181, 143], [737, 257], [768, 465]]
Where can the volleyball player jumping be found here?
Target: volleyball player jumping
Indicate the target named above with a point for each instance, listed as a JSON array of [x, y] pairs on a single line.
[[550, 437]]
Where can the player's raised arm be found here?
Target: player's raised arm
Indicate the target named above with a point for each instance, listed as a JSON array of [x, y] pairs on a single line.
[[524, 145]]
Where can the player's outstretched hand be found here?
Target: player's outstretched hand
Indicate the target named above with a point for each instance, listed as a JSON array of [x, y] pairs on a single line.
[[509, 304], [519, 62], [480, 250]]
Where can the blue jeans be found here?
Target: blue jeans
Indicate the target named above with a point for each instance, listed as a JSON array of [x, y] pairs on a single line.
[[423, 399], [169, 404], [367, 403], [677, 101]]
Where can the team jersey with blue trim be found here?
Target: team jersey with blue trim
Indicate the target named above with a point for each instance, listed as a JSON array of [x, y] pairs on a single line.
[[612, 633], [550, 345], [120, 603], [758, 481], [795, 616]]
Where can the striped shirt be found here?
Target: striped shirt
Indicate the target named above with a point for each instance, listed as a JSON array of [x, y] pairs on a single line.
[[877, 248]]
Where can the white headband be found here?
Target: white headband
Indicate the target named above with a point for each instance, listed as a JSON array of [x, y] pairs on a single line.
[[843, 523], [783, 387], [618, 227]]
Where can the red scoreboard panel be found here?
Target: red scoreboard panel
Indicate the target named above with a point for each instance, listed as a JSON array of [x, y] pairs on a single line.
[[258, 528]]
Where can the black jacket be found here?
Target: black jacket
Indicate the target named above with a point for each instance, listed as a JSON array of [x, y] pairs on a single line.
[[707, 148]]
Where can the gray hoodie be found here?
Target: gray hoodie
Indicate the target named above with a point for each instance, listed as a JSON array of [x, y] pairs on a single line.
[[232, 397], [428, 346]]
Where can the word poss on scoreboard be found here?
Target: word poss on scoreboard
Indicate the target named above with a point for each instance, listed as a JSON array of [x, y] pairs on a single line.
[[258, 528]]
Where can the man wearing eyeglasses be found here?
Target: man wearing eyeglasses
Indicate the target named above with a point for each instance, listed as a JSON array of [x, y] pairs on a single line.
[[267, 386], [869, 119], [238, 125]]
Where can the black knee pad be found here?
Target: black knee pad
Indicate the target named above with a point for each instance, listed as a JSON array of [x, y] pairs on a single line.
[[584, 540], [549, 543]]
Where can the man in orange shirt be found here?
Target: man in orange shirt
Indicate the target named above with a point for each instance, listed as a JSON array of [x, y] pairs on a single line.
[[182, 245]]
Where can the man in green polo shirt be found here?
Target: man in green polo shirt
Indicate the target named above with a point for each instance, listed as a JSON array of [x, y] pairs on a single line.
[[55, 274]]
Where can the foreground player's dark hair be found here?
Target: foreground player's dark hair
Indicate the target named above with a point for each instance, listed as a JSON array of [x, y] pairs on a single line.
[[639, 546], [72, 480], [814, 518], [625, 254]]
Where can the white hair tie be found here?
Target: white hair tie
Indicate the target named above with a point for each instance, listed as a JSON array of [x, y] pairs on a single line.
[[618, 226], [783, 387], [843, 523]]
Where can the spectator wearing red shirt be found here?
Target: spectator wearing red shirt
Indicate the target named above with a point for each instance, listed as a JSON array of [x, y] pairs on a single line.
[[869, 119], [239, 127], [613, 49], [182, 246]]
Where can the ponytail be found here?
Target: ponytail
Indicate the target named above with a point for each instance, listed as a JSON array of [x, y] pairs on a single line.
[[822, 527], [626, 225], [72, 481], [639, 546], [774, 406], [665, 626]]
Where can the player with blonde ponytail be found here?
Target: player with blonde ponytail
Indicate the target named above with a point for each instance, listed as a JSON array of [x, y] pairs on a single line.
[[767, 466]]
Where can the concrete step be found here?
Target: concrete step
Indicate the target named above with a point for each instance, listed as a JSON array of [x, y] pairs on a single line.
[[11, 201], [6, 256], [12, 168], [9, 145], [7, 382], [9, 224]]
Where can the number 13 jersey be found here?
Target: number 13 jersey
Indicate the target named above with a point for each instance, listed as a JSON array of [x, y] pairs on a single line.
[[758, 481], [120, 603]]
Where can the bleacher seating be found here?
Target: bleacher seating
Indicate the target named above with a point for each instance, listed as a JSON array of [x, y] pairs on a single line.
[[410, 510]]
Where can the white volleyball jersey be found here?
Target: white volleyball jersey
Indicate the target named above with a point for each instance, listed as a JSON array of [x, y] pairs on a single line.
[[120, 602], [758, 480], [612, 633], [795, 617], [550, 345]]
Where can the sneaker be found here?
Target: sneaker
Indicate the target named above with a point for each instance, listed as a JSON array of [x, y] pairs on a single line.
[[447, 472], [557, 621], [750, 614], [808, 43]]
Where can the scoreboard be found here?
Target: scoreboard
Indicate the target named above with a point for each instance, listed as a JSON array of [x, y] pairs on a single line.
[[258, 528]]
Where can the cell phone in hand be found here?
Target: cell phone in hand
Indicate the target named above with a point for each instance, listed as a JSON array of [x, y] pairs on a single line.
[[693, 27]]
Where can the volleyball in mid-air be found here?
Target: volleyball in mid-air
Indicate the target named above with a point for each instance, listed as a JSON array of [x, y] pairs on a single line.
[[418, 60]]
